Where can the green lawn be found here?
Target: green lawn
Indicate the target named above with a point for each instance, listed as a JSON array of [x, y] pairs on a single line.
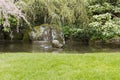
[[30, 66]]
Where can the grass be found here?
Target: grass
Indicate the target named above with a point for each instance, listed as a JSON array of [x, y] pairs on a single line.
[[24, 66]]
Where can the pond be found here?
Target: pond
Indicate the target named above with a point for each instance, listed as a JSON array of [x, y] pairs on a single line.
[[71, 46]]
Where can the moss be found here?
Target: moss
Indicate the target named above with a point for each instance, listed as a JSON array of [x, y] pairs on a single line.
[[26, 35], [36, 28]]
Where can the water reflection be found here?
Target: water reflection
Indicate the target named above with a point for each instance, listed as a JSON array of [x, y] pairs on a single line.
[[11, 46]]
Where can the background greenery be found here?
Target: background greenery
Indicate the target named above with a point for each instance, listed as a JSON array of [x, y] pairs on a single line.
[[82, 20]]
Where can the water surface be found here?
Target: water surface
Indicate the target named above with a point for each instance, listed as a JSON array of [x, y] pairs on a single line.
[[70, 47]]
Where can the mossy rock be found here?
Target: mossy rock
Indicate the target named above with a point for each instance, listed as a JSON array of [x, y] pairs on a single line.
[[48, 33]]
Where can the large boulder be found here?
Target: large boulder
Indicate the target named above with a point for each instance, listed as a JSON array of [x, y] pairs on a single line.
[[48, 33]]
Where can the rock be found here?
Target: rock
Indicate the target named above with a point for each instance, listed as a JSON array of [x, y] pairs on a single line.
[[48, 33], [40, 33], [57, 44]]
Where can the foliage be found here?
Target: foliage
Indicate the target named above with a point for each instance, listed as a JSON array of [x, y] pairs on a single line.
[[61, 12], [10, 13], [104, 32], [91, 19], [74, 33], [105, 19], [37, 12]]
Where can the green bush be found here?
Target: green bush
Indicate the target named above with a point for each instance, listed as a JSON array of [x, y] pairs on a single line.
[[104, 28], [74, 33], [105, 21]]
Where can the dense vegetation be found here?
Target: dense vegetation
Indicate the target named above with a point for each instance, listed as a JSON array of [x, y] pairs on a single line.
[[105, 22], [83, 20]]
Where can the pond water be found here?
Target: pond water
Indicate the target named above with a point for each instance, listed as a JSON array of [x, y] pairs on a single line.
[[71, 46]]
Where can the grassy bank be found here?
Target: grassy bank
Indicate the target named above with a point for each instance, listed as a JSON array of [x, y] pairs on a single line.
[[23, 66]]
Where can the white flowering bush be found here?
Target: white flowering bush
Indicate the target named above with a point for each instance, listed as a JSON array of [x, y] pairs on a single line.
[[105, 19], [9, 12]]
